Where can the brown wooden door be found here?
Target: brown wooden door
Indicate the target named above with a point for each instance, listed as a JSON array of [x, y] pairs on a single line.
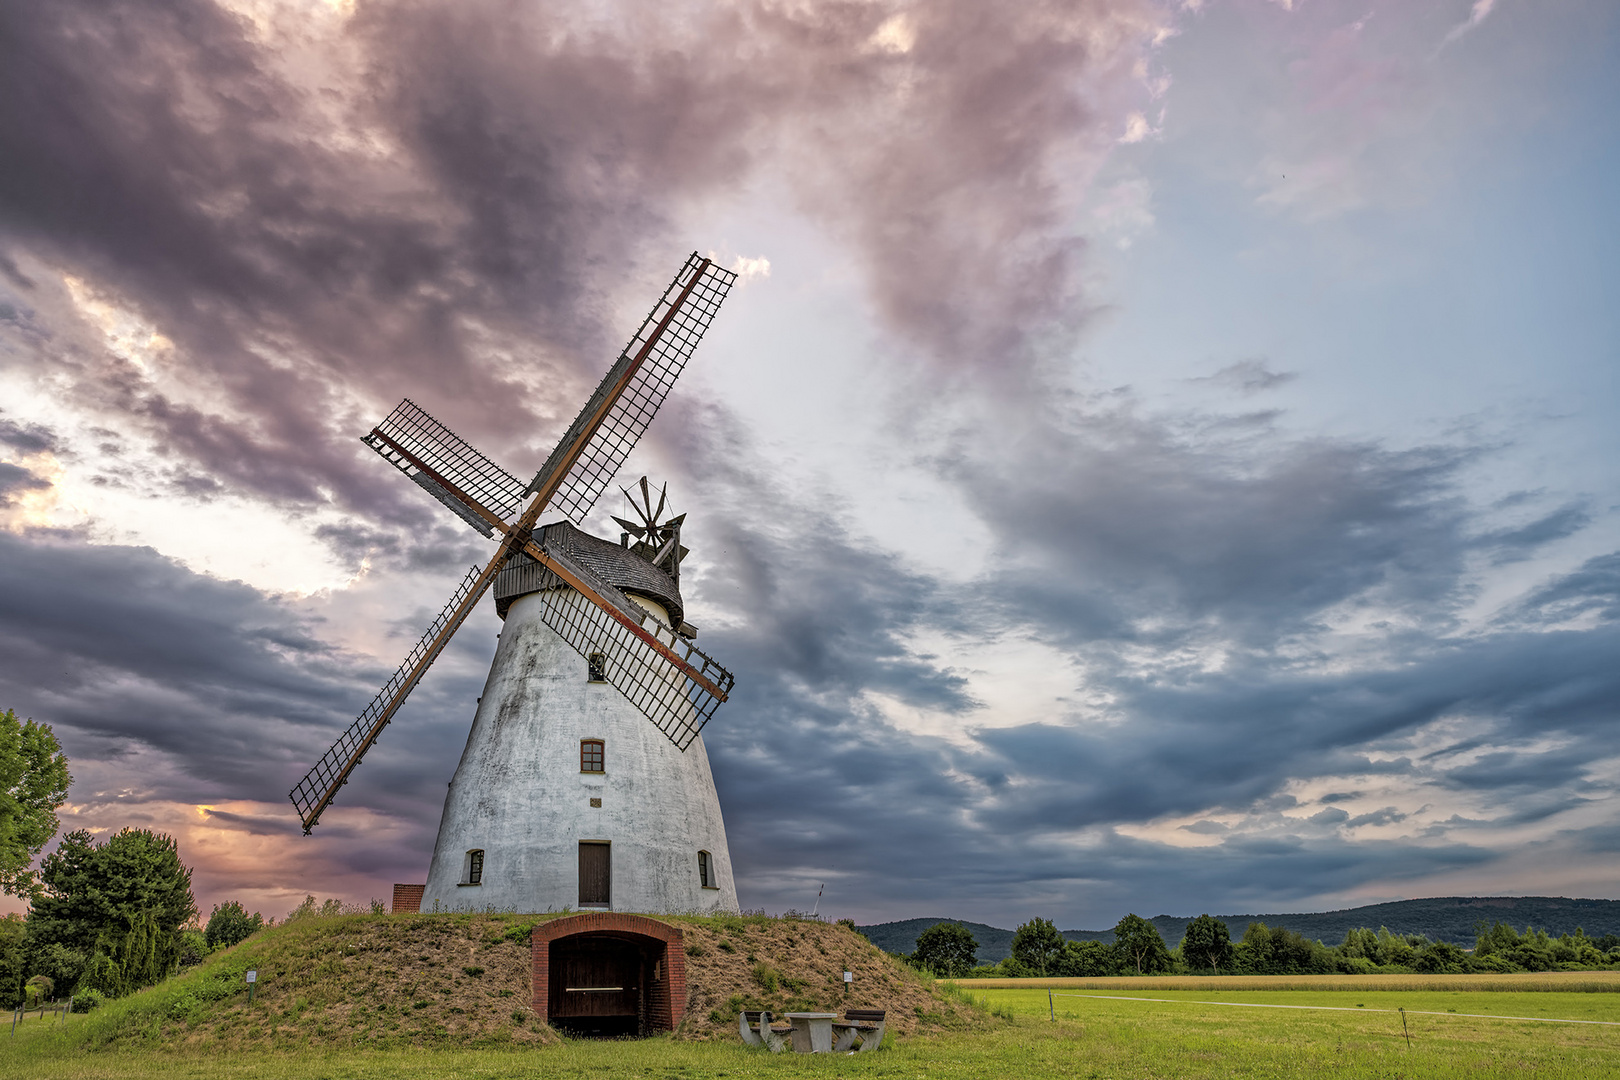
[[595, 873], [593, 976]]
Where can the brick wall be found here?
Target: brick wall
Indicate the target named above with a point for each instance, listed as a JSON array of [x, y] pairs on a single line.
[[407, 898], [664, 998]]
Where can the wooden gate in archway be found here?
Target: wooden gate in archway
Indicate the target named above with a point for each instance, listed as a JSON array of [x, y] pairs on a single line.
[[607, 974]]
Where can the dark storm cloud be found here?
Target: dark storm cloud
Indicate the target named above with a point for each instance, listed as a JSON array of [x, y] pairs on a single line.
[[14, 479], [1107, 519], [124, 648], [1592, 589], [162, 150], [28, 438], [1120, 533]]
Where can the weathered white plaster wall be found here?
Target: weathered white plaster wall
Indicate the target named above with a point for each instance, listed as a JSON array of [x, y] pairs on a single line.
[[519, 794]]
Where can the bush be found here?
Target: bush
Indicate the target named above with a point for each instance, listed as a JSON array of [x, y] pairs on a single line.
[[88, 1000], [38, 989], [230, 923]]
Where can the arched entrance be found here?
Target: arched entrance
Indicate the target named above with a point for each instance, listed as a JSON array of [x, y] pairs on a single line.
[[608, 974]]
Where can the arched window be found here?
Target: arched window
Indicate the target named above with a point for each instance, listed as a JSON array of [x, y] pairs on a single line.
[[473, 871], [706, 871], [596, 668], [590, 756]]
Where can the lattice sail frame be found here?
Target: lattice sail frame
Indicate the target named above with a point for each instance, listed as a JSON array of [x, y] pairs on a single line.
[[676, 704], [447, 466], [610, 444], [332, 771]]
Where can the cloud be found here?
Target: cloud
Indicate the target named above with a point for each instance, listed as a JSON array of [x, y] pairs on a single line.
[[15, 478], [1248, 377], [1476, 15]]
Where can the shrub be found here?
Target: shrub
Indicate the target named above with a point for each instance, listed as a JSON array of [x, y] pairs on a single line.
[[88, 1000], [231, 923], [37, 989]]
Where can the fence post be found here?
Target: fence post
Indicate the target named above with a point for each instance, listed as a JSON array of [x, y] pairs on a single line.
[[1050, 1008]]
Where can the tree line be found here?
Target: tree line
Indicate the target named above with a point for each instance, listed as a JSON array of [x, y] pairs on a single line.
[[949, 950]]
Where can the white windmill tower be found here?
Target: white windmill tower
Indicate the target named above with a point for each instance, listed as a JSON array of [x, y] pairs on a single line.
[[585, 782]]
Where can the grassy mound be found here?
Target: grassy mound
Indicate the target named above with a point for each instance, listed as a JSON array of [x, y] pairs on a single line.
[[797, 965], [464, 980]]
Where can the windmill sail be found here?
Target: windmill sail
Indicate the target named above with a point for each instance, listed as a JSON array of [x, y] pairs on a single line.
[[674, 683], [608, 427], [480, 492], [320, 785]]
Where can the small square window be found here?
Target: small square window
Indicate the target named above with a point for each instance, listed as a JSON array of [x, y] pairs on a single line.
[[596, 804], [596, 668], [590, 756]]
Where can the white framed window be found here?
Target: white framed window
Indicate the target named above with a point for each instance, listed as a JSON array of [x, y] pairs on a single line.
[[472, 870]]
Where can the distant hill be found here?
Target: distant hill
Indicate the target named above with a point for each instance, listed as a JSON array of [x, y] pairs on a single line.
[[1446, 918]]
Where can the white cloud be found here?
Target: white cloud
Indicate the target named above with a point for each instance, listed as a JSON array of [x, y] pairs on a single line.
[[1478, 14]]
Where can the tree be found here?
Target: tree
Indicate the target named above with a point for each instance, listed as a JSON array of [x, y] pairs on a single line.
[[1139, 943], [121, 902], [33, 783], [13, 960], [1086, 960], [1207, 944], [1037, 945], [947, 949], [229, 924]]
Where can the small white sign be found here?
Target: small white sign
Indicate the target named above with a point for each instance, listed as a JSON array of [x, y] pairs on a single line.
[[253, 976], [849, 976]]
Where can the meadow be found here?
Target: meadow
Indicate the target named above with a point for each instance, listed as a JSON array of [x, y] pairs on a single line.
[[1345, 1028]]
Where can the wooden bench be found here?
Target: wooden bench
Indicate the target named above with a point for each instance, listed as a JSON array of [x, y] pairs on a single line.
[[863, 1024]]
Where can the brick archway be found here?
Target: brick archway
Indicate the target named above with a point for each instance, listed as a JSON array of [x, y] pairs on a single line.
[[663, 993]]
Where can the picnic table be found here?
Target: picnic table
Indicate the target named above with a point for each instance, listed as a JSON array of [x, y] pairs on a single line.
[[813, 1032]]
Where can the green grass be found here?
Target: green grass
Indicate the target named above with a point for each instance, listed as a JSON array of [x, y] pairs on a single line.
[[1092, 1038]]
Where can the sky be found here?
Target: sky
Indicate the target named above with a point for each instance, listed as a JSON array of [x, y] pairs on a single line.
[[1158, 456]]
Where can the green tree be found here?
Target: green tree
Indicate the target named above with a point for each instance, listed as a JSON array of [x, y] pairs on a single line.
[[33, 783], [121, 902], [230, 923], [947, 949], [132, 956], [1037, 945], [1137, 941], [13, 960], [1086, 960], [1207, 944]]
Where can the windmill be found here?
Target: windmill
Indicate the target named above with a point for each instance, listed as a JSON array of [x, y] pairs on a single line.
[[586, 742]]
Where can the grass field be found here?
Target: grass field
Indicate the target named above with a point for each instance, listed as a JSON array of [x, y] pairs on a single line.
[[1092, 1037]]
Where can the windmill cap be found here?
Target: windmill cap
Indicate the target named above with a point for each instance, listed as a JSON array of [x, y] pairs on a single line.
[[618, 566]]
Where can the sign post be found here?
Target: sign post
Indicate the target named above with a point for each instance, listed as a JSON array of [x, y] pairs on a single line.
[[252, 980], [849, 977]]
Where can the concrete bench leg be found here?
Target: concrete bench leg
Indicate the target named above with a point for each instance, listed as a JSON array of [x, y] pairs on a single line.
[[846, 1037], [749, 1035], [871, 1040]]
